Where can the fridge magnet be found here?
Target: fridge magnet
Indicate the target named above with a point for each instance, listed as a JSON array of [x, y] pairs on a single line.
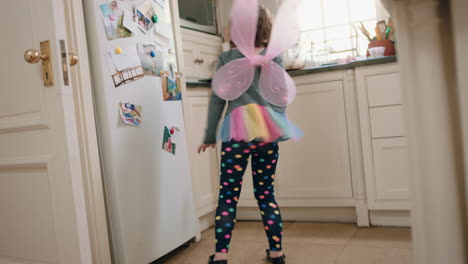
[[113, 19], [130, 114], [145, 14], [170, 85], [169, 137], [151, 59], [127, 65]]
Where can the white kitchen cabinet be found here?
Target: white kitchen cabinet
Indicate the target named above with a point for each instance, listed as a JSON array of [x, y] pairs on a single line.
[[247, 193], [391, 169], [201, 53], [204, 166], [382, 90], [316, 171], [387, 121], [318, 166], [384, 145], [341, 162]]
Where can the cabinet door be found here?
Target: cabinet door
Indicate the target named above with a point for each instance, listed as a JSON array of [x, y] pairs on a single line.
[[209, 59], [387, 121], [382, 133], [318, 166], [204, 166], [383, 89], [391, 171], [201, 52], [190, 56]]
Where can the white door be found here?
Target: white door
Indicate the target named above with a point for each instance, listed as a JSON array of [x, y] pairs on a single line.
[[42, 214]]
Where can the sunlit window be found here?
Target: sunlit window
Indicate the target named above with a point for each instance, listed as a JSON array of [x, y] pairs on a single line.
[[327, 27]]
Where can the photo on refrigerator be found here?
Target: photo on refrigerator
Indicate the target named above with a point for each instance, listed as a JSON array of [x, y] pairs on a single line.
[[130, 114], [152, 60], [145, 14], [113, 19], [125, 65], [168, 144], [170, 85]]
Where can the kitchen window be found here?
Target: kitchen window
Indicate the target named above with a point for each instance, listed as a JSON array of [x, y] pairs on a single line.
[[327, 27]]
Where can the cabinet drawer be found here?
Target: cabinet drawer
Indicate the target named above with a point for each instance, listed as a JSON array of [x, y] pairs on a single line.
[[384, 89], [201, 52], [391, 168], [387, 121], [209, 56], [190, 55]]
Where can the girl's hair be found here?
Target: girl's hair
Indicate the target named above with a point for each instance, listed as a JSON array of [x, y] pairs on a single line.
[[264, 27]]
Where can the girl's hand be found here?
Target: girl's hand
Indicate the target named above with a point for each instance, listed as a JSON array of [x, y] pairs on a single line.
[[203, 147]]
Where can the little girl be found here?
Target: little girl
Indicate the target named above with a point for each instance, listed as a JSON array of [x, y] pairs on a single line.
[[252, 127]]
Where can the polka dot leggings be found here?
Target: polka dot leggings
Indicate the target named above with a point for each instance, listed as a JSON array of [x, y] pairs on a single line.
[[234, 159]]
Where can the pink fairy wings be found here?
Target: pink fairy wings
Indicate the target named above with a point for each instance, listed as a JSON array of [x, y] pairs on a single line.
[[235, 78]]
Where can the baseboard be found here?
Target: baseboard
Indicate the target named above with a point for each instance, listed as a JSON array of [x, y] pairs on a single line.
[[303, 214], [337, 214], [390, 218]]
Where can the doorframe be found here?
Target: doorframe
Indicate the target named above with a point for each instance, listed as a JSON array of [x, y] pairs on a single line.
[[87, 133], [436, 154]]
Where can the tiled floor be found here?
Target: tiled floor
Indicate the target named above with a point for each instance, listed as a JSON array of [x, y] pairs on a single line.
[[308, 243]]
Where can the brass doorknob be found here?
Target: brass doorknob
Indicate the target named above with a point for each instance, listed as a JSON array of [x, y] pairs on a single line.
[[73, 58], [33, 56]]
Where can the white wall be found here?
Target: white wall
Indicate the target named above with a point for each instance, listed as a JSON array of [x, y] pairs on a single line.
[[382, 13]]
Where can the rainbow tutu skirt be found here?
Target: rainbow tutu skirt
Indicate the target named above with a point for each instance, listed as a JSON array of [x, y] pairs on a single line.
[[255, 122]]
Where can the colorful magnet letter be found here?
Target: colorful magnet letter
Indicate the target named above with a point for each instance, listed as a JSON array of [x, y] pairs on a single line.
[[155, 19], [118, 50], [153, 54]]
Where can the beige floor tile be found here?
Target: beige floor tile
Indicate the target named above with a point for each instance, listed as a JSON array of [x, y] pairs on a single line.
[[374, 255], [208, 234], [249, 231], [314, 243], [240, 253], [309, 252], [287, 225], [195, 254], [382, 237], [321, 233], [247, 252]]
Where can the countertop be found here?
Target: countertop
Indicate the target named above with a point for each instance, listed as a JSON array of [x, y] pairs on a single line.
[[206, 83], [328, 68], [336, 67]]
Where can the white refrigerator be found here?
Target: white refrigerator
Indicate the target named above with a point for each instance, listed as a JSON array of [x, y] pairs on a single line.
[[140, 127]]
